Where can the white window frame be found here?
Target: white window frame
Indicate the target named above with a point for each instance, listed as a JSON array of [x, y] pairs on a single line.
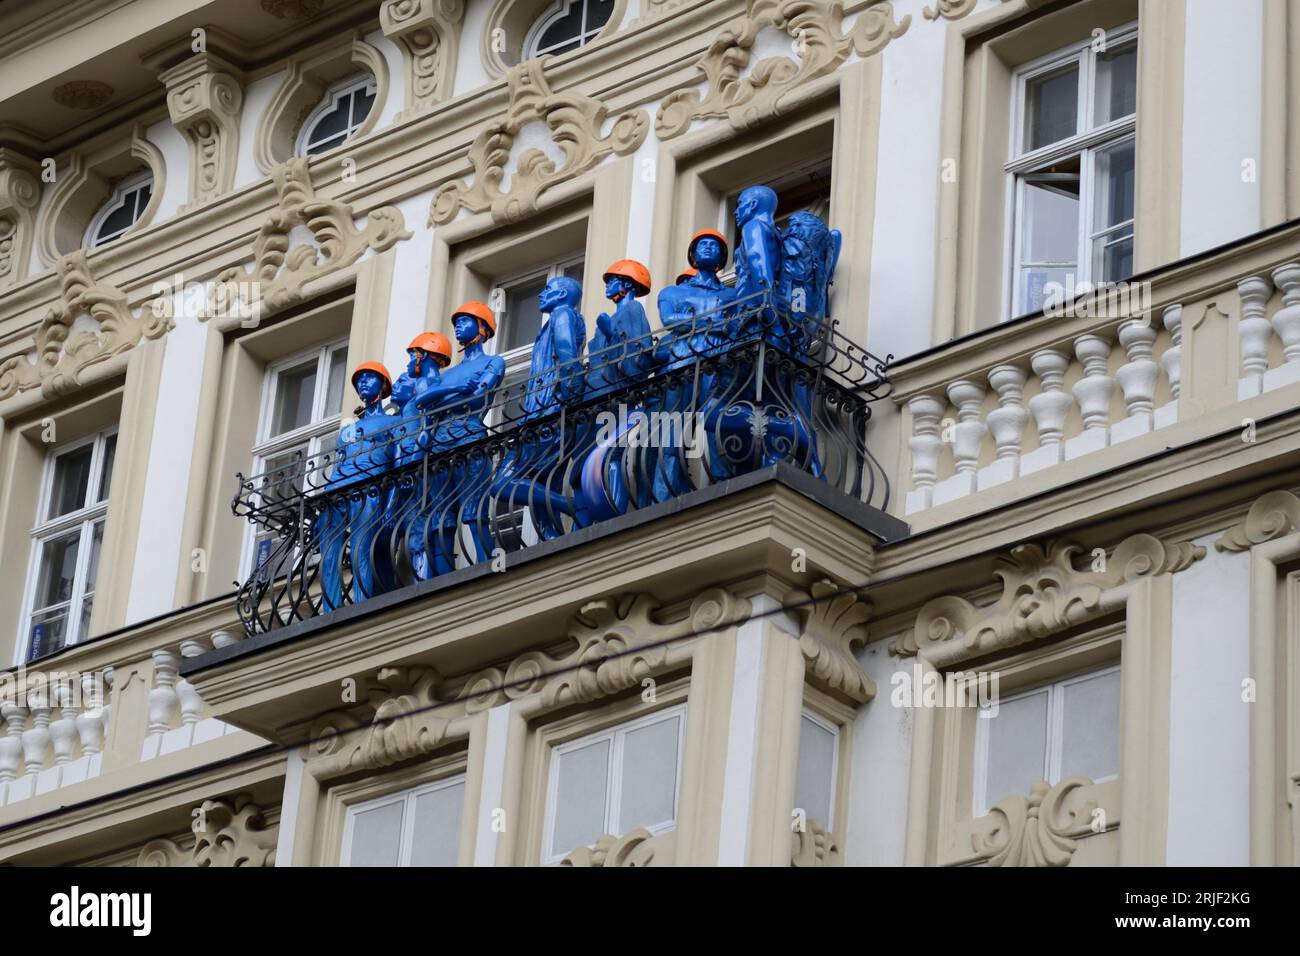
[[554, 12], [1086, 144], [1055, 733], [614, 778], [45, 529], [313, 433], [130, 186], [406, 844], [834, 730], [359, 82]]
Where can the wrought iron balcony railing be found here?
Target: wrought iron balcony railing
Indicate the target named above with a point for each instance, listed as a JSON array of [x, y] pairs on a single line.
[[634, 425]]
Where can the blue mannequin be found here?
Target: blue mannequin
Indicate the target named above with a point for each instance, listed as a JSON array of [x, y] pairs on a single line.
[[464, 394], [759, 261], [427, 355], [354, 518], [528, 474], [627, 330]]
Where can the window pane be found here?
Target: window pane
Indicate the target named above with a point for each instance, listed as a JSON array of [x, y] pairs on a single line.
[[1114, 200], [575, 270], [812, 788], [1017, 747], [57, 568], [106, 467], [649, 775], [580, 797], [71, 482], [362, 101], [295, 389], [282, 474], [96, 543], [48, 633], [1050, 218], [1051, 107], [567, 27], [377, 836], [142, 197], [1090, 735], [598, 13], [337, 375], [1116, 84], [523, 318], [119, 220], [333, 123], [86, 607], [437, 827]]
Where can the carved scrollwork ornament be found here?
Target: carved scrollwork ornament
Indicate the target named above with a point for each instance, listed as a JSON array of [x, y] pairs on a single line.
[[814, 845], [747, 94], [615, 644], [574, 120], [1273, 515], [227, 833], [62, 354], [631, 849], [426, 31], [1042, 593], [405, 723], [20, 194], [833, 621], [1037, 830], [204, 100], [281, 271]]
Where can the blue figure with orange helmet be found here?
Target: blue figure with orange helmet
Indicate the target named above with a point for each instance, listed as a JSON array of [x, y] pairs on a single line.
[[427, 355], [461, 397], [620, 351], [351, 520]]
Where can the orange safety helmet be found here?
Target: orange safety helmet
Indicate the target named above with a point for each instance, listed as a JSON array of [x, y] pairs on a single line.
[[709, 234], [436, 344], [631, 269], [685, 274], [487, 319], [379, 370]]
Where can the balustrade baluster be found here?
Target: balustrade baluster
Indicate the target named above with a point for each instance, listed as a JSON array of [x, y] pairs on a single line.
[[1137, 379], [63, 732], [36, 738], [1006, 423], [1255, 332], [11, 744], [1286, 323], [925, 444], [1049, 408], [90, 722], [1093, 393]]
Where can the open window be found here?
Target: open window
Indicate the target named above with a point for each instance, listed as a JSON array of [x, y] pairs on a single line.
[[66, 543], [1072, 171]]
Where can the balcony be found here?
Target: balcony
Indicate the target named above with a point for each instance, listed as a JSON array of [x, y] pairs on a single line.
[[637, 430], [1203, 350]]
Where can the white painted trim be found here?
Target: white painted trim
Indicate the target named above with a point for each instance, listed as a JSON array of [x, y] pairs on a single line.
[[742, 738], [294, 768], [492, 795]]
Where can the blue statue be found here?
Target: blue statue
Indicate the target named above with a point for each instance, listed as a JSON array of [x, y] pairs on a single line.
[[427, 355], [759, 261], [350, 523], [530, 472], [462, 396], [626, 333]]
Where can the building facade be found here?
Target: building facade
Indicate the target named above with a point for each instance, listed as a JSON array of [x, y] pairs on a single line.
[[1010, 574]]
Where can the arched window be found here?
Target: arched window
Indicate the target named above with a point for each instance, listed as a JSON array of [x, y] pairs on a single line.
[[340, 114], [567, 25], [122, 210]]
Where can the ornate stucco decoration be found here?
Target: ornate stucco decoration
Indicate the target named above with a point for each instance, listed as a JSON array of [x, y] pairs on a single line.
[[62, 354], [814, 845], [1038, 830], [1273, 515], [833, 621], [631, 849], [204, 99], [574, 121], [226, 833], [616, 644], [428, 35], [1042, 593], [279, 271], [406, 723], [950, 9], [20, 194], [746, 94], [82, 94]]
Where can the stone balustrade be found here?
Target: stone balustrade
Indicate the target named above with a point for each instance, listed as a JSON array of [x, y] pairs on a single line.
[[1120, 377], [72, 718]]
